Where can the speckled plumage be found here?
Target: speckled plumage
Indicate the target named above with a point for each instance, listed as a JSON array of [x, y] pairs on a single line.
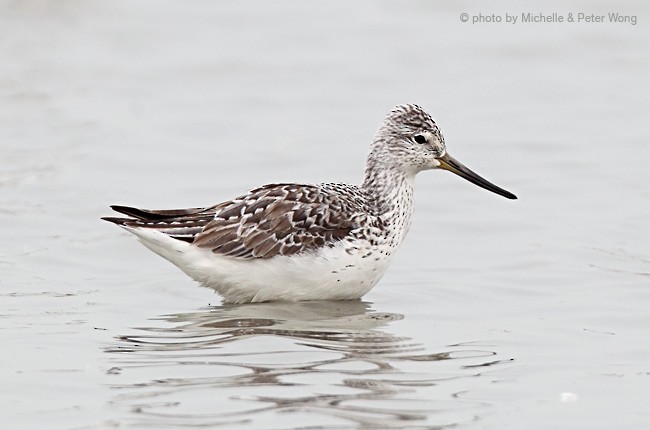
[[302, 241]]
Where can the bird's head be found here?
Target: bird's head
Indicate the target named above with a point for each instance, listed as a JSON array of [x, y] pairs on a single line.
[[410, 140]]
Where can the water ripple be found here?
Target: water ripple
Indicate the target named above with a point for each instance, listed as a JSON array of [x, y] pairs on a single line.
[[273, 365]]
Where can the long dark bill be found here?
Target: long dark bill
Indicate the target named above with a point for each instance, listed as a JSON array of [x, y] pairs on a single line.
[[448, 162]]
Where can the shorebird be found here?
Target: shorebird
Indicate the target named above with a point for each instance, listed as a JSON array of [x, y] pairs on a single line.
[[292, 242]]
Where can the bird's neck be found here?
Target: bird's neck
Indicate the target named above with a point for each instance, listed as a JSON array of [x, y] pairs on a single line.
[[390, 191]]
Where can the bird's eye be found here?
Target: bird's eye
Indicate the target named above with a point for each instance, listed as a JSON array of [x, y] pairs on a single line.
[[419, 138]]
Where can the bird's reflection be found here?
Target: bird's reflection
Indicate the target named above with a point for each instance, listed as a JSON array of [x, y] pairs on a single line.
[[238, 365]]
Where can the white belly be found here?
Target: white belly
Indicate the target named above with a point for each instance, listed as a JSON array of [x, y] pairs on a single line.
[[329, 274]]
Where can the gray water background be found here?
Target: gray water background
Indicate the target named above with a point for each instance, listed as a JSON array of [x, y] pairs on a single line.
[[495, 314]]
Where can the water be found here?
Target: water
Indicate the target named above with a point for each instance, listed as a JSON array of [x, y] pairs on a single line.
[[494, 314]]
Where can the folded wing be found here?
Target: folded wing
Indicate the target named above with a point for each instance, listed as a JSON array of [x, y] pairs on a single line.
[[277, 219]]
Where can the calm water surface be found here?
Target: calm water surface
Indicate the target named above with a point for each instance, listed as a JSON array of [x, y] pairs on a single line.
[[494, 314]]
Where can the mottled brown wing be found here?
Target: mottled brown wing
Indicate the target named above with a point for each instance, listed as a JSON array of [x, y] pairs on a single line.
[[277, 219]]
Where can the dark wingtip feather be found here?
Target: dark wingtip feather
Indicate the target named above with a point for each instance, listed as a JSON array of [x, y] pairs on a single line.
[[155, 215], [120, 208], [130, 211], [118, 221]]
